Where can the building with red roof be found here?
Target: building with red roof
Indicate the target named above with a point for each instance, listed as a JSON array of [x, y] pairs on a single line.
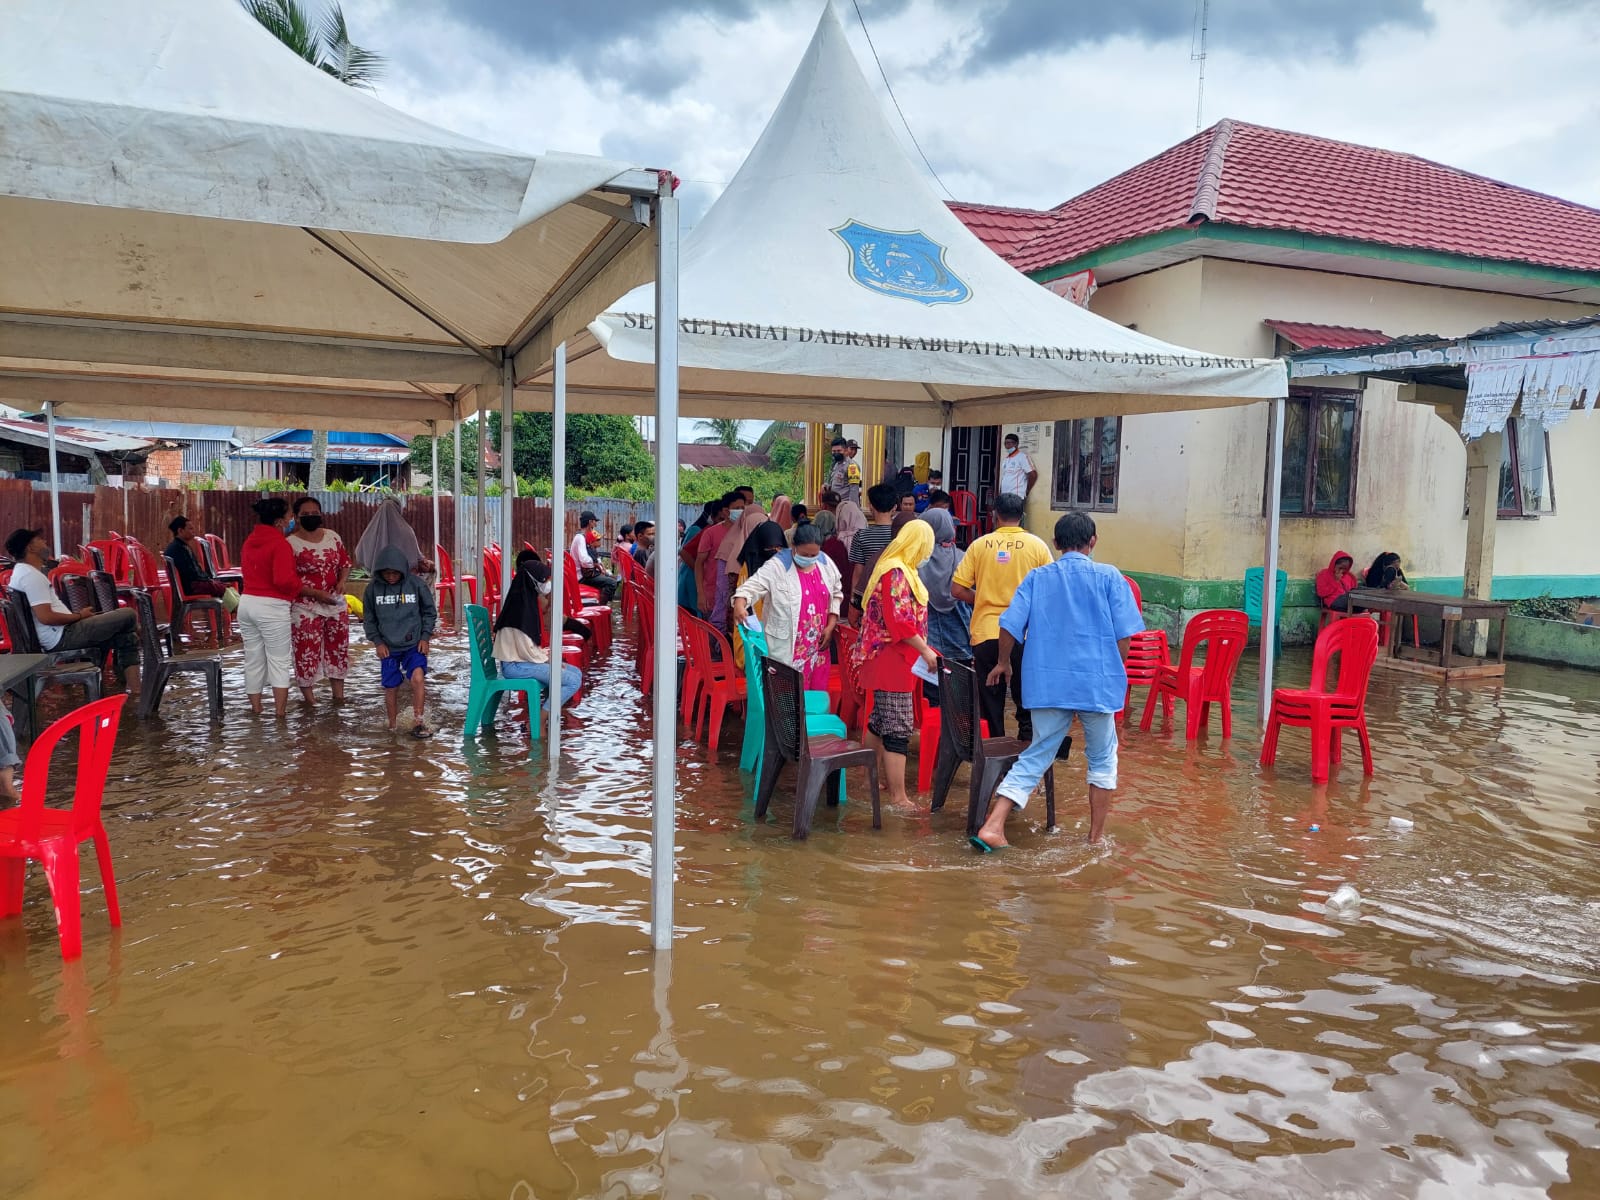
[[1256, 241]]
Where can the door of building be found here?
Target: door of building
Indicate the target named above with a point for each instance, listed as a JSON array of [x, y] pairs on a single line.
[[975, 462]]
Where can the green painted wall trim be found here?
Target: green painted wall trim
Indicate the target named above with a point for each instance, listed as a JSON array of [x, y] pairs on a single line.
[[1169, 591], [1349, 247], [1554, 642]]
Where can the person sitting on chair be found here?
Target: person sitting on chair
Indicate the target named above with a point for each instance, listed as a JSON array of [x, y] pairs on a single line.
[[1385, 572], [61, 629], [1336, 581], [193, 573]]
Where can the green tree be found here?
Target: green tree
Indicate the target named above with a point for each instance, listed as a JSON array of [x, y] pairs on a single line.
[[720, 431]]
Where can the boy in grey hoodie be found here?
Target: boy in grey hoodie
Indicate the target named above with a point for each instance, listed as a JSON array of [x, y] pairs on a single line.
[[399, 618]]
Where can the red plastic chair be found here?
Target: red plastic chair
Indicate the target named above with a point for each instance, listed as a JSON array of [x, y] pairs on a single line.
[[1147, 654], [646, 661], [449, 581], [596, 616], [114, 554], [964, 509], [52, 835], [693, 672], [1222, 634], [627, 571], [491, 581], [722, 684], [1138, 596], [1327, 713], [219, 551]]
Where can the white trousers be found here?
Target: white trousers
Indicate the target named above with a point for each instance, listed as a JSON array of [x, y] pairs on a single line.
[[268, 651]]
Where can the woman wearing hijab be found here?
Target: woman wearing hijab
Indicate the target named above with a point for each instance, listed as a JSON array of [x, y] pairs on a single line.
[[800, 598], [519, 647], [730, 552], [781, 506], [762, 545], [949, 619], [688, 544], [894, 628], [851, 522], [827, 525]]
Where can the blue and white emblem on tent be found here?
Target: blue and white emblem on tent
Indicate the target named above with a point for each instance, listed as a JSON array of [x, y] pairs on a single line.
[[907, 265]]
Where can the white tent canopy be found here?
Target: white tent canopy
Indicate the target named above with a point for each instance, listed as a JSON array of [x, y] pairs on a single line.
[[829, 281], [191, 218]]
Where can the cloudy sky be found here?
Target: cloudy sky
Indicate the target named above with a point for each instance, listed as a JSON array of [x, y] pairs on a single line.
[[1023, 102]]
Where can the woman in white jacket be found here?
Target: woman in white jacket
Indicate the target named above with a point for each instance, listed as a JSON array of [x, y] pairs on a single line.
[[800, 593]]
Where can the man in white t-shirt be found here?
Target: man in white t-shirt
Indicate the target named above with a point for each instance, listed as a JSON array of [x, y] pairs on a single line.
[[589, 571], [61, 629], [1017, 472]]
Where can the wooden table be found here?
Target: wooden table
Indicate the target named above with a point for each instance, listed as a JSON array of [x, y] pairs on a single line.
[[1449, 611]]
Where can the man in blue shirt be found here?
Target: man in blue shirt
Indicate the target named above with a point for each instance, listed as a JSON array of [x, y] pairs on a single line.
[[1074, 618]]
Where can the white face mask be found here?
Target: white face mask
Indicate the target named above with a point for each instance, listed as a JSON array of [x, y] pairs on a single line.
[[544, 588], [807, 560], [734, 514]]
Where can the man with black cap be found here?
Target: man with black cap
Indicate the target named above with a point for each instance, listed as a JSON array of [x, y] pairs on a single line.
[[839, 476], [61, 629], [589, 570]]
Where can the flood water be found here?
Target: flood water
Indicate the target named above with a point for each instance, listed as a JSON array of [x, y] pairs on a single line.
[[359, 965]]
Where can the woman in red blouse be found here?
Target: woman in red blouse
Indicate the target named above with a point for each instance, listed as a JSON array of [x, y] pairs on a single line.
[[271, 583], [894, 635]]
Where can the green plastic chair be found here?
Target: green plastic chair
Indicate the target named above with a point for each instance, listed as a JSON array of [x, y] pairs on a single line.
[[488, 683], [818, 719], [1255, 579]]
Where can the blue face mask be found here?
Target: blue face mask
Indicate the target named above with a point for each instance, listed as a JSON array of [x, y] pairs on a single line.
[[807, 560]]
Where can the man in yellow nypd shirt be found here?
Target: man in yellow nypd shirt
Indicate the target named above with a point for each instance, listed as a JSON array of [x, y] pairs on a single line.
[[987, 578]]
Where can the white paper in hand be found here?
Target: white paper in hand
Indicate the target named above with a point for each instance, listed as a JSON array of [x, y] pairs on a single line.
[[923, 671]]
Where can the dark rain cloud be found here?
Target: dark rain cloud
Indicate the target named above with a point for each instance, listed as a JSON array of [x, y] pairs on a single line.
[[619, 39]]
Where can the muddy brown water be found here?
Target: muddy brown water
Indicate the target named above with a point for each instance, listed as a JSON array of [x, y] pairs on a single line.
[[358, 965]]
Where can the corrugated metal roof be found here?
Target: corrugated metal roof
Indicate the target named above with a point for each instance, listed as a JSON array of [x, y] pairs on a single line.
[[160, 430], [71, 437], [341, 455]]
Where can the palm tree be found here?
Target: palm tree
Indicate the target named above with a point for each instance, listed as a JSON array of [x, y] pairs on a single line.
[[720, 431], [326, 46]]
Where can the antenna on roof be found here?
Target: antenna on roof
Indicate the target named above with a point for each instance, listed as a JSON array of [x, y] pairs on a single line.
[[1197, 54]]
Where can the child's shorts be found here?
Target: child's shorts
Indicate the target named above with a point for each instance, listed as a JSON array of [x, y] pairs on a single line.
[[398, 666]]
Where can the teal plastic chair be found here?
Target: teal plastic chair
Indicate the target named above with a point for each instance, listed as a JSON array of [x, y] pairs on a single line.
[[1254, 584], [818, 719], [487, 682]]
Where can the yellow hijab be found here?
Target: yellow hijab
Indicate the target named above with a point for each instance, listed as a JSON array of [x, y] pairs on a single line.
[[911, 547]]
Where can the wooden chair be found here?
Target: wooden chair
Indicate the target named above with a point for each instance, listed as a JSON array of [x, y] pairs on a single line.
[[988, 758], [1326, 713], [1221, 634], [819, 760], [156, 670]]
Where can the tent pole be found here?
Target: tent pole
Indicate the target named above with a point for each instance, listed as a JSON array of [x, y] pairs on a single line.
[[433, 481], [663, 830], [508, 475], [481, 518], [455, 509], [558, 550], [55, 477], [1269, 578], [944, 449]]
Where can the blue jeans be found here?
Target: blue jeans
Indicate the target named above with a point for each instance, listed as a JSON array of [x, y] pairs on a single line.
[[1050, 727], [571, 677]]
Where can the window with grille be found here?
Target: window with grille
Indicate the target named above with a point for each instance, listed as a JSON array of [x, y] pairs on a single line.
[[1321, 447], [1088, 457]]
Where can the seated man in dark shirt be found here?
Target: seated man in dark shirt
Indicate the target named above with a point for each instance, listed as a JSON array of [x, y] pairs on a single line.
[[190, 560]]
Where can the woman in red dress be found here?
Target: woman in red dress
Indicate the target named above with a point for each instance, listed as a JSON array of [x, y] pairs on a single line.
[[320, 618], [894, 635]]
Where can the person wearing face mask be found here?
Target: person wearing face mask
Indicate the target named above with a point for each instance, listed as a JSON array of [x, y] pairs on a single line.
[[894, 635], [730, 554], [839, 476], [800, 594], [519, 636], [271, 585], [1017, 472], [321, 618], [709, 576], [1073, 618]]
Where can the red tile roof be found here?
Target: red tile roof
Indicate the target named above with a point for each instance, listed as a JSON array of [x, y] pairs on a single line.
[[1260, 178], [1306, 336]]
